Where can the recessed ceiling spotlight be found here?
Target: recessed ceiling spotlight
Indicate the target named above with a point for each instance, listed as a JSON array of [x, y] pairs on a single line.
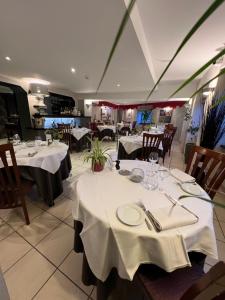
[[8, 58], [118, 85], [73, 70]]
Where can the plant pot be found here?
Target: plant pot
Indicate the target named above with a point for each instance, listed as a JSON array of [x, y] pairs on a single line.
[[97, 167]]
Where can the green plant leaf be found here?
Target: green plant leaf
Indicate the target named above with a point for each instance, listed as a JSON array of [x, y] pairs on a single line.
[[198, 24], [118, 36], [220, 100], [205, 84], [199, 71], [204, 199]]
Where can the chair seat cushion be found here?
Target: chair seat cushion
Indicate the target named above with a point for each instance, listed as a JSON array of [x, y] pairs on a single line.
[[160, 285]]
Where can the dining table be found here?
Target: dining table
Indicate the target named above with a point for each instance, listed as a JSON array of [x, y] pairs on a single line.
[[80, 138], [110, 241], [47, 166], [106, 131], [130, 147]]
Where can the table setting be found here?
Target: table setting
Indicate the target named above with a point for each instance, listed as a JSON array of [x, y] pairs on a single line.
[[127, 223], [130, 147], [47, 165]]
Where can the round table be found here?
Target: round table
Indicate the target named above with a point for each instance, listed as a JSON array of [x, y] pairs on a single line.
[[47, 168], [110, 244]]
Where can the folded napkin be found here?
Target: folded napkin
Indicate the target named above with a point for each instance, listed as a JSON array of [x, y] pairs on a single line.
[[172, 217], [181, 176]]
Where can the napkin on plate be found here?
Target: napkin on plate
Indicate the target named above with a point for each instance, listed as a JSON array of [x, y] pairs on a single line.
[[172, 217], [181, 176]]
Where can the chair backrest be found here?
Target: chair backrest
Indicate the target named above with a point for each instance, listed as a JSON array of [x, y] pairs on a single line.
[[66, 131], [208, 167], [125, 129], [169, 126], [167, 139], [10, 184], [150, 143], [210, 286]]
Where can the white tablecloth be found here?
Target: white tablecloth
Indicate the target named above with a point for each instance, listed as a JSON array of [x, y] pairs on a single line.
[[103, 127], [78, 133], [133, 142], [108, 243], [47, 158]]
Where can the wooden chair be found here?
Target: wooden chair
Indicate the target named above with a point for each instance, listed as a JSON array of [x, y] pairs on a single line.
[[208, 167], [12, 188], [124, 130], [183, 284], [66, 131], [167, 142], [150, 143]]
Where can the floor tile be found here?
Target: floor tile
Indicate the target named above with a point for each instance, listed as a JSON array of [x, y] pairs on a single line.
[[39, 228], [219, 233], [5, 230], [222, 225], [220, 212], [58, 287], [62, 208], [12, 249], [15, 216], [94, 294], [72, 267], [57, 245], [70, 221], [28, 275]]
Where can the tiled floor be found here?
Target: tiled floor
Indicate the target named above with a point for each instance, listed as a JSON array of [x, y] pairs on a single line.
[[38, 261]]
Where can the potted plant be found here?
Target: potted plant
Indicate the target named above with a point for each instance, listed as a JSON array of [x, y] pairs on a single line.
[[97, 155], [56, 134]]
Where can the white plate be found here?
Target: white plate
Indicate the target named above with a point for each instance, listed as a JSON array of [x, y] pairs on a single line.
[[192, 189], [130, 214]]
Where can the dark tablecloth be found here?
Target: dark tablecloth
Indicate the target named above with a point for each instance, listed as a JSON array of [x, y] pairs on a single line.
[[49, 185], [106, 132], [82, 143], [122, 154]]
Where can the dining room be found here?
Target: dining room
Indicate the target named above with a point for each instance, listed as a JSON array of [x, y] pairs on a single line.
[[112, 150]]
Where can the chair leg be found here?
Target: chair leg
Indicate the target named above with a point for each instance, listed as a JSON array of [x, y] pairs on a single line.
[[25, 212]]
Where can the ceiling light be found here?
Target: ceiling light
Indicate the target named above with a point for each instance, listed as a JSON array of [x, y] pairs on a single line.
[[35, 80], [118, 85], [8, 58], [207, 91], [73, 70]]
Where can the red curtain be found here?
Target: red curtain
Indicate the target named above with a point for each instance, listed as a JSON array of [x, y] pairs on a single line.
[[172, 104]]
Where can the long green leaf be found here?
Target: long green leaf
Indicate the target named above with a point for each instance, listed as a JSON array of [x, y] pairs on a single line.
[[220, 100], [118, 36], [199, 71], [205, 84], [203, 18], [204, 199]]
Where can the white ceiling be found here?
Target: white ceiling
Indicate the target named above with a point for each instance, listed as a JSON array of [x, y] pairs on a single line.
[[46, 38]]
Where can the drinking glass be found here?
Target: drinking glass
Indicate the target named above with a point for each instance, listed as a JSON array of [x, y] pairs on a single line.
[[153, 182], [163, 173], [154, 157], [16, 139], [38, 140]]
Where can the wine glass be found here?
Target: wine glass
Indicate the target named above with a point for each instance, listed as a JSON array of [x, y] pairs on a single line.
[[154, 157], [163, 173]]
